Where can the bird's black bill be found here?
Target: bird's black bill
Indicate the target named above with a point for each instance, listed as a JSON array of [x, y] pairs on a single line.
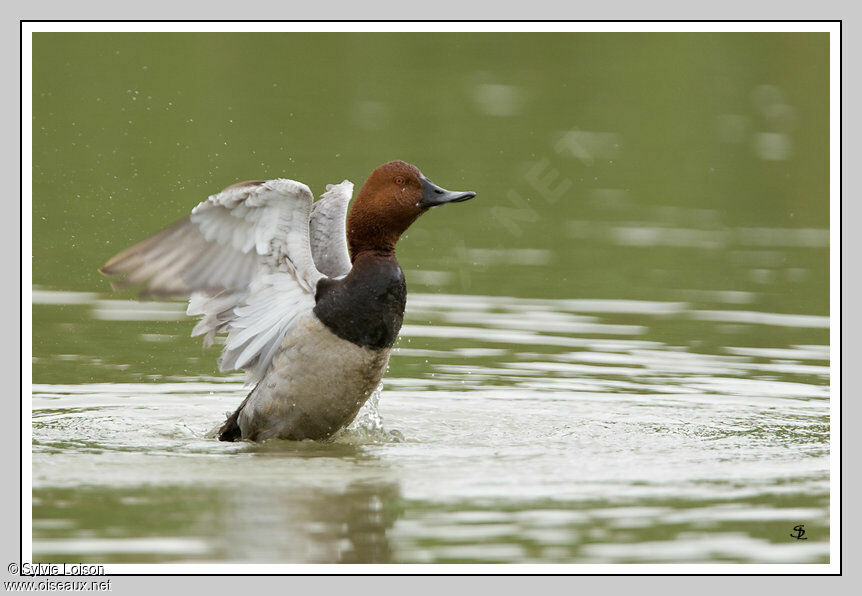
[[433, 195]]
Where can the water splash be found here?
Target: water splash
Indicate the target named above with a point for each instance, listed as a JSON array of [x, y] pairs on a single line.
[[368, 424], [369, 419]]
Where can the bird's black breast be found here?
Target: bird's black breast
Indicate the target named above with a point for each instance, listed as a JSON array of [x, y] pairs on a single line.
[[367, 306]]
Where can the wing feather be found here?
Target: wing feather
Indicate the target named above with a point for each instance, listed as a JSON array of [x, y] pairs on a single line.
[[246, 260], [328, 230]]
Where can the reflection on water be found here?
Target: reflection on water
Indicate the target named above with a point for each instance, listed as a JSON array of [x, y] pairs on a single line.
[[297, 524], [522, 430]]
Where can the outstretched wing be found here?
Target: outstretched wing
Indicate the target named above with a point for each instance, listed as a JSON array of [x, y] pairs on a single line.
[[244, 258], [328, 231]]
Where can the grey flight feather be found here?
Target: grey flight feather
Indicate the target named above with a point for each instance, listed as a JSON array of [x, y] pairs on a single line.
[[179, 260], [328, 230]]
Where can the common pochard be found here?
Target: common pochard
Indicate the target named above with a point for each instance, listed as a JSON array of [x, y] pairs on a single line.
[[311, 306]]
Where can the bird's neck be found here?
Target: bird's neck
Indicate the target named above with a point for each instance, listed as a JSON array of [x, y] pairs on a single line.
[[375, 231]]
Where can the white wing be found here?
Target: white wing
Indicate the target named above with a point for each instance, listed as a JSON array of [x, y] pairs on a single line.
[[244, 258], [328, 231]]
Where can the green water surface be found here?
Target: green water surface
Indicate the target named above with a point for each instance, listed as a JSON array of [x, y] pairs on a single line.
[[669, 188]]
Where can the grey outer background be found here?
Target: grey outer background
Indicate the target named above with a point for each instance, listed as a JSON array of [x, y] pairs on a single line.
[[438, 10]]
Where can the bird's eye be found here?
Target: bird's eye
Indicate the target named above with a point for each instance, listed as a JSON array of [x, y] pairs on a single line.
[[399, 180]]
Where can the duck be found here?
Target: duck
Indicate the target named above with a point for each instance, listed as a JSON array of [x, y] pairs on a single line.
[[310, 297]]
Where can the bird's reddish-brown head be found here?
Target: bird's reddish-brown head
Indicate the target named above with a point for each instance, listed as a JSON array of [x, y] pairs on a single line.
[[394, 195]]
